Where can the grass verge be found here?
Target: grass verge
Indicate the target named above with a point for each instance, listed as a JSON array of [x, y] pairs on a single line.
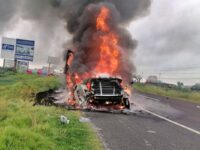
[[24, 127], [172, 93]]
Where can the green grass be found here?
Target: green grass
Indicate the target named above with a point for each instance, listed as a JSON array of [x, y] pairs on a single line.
[[24, 127], [186, 95]]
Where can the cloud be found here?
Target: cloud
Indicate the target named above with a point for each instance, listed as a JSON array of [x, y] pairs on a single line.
[[169, 36]]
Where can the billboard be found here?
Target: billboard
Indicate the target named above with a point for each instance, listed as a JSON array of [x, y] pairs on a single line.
[[8, 48], [53, 60], [18, 49], [24, 50]]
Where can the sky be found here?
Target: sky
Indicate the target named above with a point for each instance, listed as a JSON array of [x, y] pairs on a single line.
[[168, 40]]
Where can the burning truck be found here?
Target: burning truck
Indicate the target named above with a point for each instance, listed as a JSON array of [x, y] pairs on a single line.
[[97, 93], [99, 68]]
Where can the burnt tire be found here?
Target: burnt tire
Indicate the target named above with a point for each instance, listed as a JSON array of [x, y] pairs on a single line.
[[126, 103]]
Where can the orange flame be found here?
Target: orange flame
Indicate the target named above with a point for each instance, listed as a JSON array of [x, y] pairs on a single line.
[[128, 90], [108, 45], [101, 20]]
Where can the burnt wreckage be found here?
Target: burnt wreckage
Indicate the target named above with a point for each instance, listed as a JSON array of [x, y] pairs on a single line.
[[101, 92]]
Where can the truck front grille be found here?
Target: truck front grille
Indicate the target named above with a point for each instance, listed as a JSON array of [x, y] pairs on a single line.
[[105, 88]]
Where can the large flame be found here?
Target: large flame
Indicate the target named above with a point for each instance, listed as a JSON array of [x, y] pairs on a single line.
[[108, 45], [107, 48]]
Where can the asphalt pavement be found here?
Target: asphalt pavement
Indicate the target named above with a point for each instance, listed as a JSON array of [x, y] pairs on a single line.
[[165, 124]]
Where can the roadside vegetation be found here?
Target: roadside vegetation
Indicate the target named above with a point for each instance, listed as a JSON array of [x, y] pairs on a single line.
[[177, 93], [24, 127]]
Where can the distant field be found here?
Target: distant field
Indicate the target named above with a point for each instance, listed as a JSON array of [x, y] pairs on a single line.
[[24, 127], [173, 93]]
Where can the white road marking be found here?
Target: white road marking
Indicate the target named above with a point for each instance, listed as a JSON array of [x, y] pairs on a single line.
[[151, 131], [156, 99], [173, 122], [148, 97], [147, 143], [166, 119]]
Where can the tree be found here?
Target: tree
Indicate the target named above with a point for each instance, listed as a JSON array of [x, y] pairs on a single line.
[[196, 87], [180, 85], [137, 78]]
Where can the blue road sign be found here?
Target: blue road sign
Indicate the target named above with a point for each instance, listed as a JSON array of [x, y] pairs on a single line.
[[25, 42], [8, 47], [24, 50]]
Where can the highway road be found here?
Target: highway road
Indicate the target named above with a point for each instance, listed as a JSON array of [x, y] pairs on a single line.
[[164, 124]]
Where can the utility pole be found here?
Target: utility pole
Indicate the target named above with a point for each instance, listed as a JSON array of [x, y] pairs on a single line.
[[49, 69], [15, 64], [4, 63]]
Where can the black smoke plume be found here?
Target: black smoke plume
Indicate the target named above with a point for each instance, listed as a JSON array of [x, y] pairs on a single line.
[[81, 17]]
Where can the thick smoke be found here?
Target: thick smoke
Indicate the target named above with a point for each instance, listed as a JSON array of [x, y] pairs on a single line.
[[7, 11], [31, 10], [79, 16], [81, 19]]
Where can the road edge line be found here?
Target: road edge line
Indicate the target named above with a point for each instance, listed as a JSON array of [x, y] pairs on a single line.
[[173, 122]]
